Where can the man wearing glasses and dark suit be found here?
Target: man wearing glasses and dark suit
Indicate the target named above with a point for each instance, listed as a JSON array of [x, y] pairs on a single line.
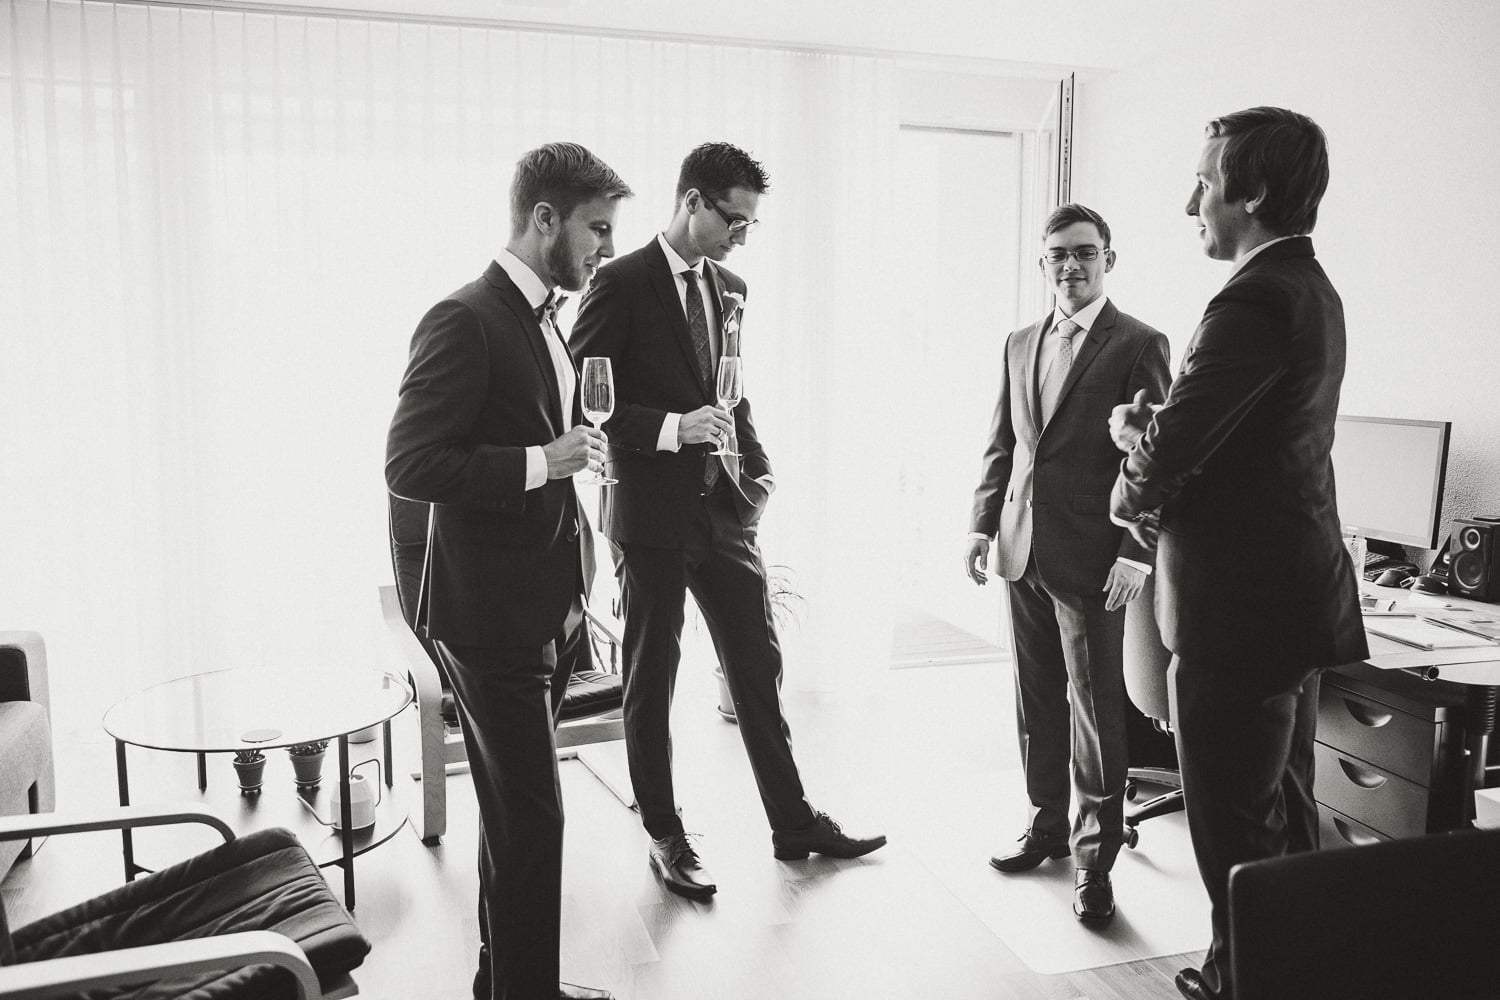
[[683, 518], [1042, 495]]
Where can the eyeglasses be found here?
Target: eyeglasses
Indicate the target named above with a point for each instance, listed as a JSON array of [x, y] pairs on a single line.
[[735, 225], [1056, 255]]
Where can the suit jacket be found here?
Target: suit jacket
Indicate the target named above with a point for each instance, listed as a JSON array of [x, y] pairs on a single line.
[[1252, 564], [632, 315], [1046, 489], [503, 563]]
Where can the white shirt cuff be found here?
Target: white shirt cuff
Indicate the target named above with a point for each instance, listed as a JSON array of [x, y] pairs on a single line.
[[536, 467], [667, 439], [1138, 565], [979, 535], [768, 481]]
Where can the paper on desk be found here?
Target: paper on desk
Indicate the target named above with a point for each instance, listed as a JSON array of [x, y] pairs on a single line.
[[1422, 634]]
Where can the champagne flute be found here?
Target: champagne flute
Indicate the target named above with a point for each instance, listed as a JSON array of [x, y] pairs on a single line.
[[598, 402], [731, 391]]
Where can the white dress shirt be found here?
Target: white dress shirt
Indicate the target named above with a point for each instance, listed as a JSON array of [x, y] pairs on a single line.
[[536, 293]]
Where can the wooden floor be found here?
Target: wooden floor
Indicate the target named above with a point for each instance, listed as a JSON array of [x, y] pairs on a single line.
[[880, 927]]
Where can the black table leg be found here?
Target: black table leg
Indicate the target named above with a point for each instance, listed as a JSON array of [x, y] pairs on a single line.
[[202, 771], [122, 779], [385, 734], [346, 821]]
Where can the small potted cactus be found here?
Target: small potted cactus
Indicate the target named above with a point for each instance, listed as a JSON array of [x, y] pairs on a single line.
[[307, 762], [251, 767]]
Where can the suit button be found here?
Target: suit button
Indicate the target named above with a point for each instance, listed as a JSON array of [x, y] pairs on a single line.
[[1028, 504]]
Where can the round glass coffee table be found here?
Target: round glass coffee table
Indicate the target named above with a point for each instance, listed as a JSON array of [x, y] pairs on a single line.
[[264, 709]]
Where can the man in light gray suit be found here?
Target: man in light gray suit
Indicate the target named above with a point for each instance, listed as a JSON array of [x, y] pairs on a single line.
[[1044, 494]]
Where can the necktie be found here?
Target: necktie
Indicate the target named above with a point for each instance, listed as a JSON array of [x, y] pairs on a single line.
[[697, 320], [1058, 374], [547, 311]]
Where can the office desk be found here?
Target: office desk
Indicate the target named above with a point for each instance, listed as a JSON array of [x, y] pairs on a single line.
[[1404, 736]]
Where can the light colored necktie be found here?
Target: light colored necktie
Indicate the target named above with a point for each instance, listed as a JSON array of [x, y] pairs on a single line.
[[1058, 374]]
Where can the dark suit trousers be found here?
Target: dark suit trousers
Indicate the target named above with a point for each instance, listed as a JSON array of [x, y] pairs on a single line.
[[1062, 640], [1245, 747], [507, 701], [722, 566]]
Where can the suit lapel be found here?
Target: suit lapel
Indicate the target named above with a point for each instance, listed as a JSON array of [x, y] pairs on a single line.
[[665, 285], [1099, 335], [1032, 381], [531, 330], [731, 463]]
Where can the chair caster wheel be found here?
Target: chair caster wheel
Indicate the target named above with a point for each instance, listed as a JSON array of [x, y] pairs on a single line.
[[1132, 837], [1131, 790]]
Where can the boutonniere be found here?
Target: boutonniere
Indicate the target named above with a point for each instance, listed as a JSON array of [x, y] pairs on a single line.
[[734, 309]]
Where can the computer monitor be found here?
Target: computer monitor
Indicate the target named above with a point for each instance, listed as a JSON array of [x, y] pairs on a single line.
[[1389, 475]]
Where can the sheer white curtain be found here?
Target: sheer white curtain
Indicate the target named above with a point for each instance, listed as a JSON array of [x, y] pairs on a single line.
[[217, 231]]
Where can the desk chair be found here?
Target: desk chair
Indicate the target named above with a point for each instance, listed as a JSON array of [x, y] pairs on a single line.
[[1146, 663], [1397, 919], [251, 919], [592, 705]]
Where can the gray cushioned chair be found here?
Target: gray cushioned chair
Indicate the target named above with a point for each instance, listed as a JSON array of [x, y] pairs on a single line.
[[26, 769], [1146, 664]]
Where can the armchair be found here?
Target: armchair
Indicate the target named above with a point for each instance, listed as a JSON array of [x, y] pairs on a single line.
[[251, 918], [27, 782], [591, 710]]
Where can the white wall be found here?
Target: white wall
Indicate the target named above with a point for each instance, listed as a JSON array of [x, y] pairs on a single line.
[[1408, 231]]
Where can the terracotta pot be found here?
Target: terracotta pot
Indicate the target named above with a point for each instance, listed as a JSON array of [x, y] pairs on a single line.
[[308, 768], [251, 773]]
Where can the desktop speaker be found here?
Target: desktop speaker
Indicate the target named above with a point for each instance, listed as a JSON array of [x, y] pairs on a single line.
[[1474, 558]]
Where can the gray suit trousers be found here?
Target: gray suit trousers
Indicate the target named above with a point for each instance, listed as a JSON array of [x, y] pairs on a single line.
[[1063, 640]]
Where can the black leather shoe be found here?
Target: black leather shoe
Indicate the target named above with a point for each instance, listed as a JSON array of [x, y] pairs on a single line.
[[567, 991], [822, 836], [1190, 984], [1034, 849], [1093, 896], [676, 861]]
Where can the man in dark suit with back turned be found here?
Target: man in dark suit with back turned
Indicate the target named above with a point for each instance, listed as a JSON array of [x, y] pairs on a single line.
[[682, 519], [487, 430], [1043, 494], [1233, 475]]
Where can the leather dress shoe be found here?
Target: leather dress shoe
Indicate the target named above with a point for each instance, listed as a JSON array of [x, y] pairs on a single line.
[[567, 991], [482, 989], [675, 860], [1093, 896], [1190, 984], [1035, 848], [822, 836]]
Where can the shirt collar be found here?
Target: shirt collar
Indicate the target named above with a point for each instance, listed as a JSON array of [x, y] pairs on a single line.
[[525, 279], [675, 263], [1084, 317], [1239, 265]]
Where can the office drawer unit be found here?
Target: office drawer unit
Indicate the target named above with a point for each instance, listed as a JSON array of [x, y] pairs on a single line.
[[1389, 757], [1338, 830]]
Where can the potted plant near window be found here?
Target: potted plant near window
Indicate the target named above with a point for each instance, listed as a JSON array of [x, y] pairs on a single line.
[[251, 767], [307, 762], [787, 605]]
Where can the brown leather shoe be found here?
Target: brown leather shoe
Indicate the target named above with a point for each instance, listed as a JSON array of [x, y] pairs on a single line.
[[1035, 848], [675, 860], [567, 991], [822, 836], [1093, 896]]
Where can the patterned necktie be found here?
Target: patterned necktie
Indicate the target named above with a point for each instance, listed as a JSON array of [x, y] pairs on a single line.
[[697, 319], [1058, 373]]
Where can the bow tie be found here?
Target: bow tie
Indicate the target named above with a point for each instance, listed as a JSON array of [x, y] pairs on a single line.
[[551, 305]]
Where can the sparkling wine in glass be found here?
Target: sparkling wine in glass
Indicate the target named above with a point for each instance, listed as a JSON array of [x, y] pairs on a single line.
[[731, 391], [598, 402]]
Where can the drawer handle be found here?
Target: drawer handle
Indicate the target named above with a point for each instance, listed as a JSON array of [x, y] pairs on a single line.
[[1356, 838], [1360, 776], [1366, 716]]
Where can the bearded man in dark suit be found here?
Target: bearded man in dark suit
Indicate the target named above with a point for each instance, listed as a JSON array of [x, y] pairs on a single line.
[[1042, 495], [487, 430], [683, 519], [1233, 475]]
